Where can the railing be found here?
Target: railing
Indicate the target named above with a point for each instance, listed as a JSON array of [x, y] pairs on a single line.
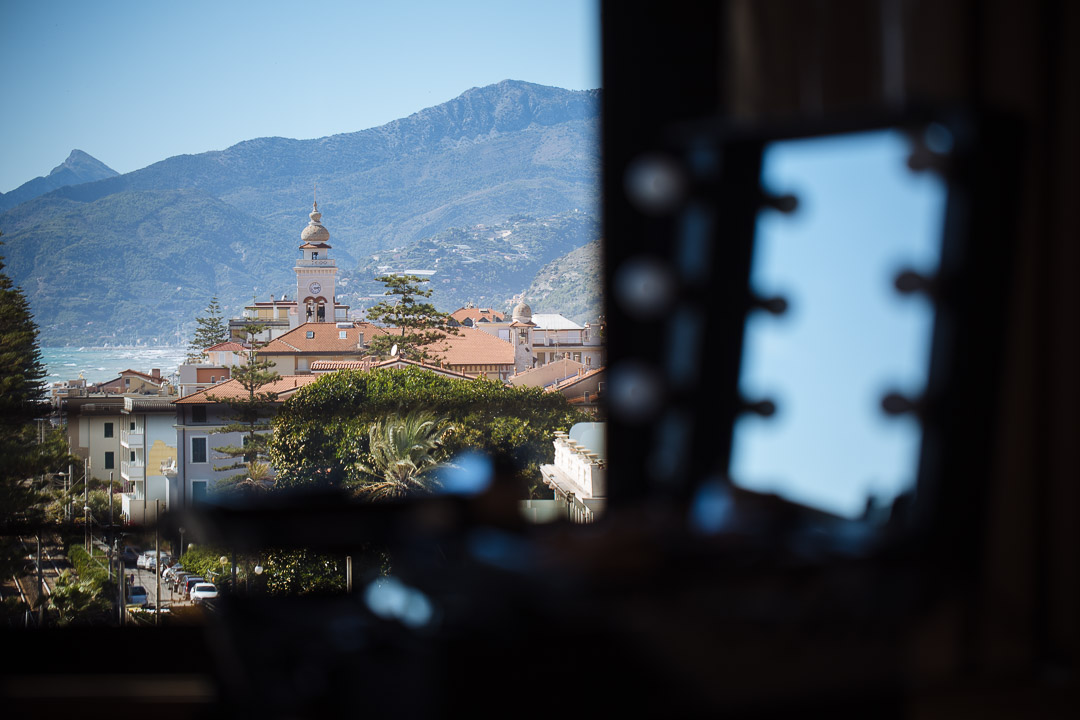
[[321, 262], [131, 437], [132, 470]]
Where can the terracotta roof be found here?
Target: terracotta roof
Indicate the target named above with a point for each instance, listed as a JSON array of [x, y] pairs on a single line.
[[285, 386], [570, 382], [146, 376], [476, 313], [315, 246], [473, 347], [228, 346], [519, 324], [326, 339]]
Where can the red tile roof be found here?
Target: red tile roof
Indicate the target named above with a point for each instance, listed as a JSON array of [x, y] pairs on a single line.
[[147, 376], [475, 314], [326, 339], [472, 347], [570, 382], [228, 346], [284, 387]]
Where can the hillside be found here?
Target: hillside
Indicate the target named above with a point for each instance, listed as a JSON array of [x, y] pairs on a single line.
[[77, 169], [571, 285], [492, 153], [134, 264], [483, 264]]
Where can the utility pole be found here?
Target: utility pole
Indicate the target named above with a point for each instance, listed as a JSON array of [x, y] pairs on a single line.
[[348, 574], [86, 505], [157, 566], [121, 582], [41, 586]]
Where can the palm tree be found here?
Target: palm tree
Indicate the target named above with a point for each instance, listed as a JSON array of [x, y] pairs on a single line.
[[403, 451]]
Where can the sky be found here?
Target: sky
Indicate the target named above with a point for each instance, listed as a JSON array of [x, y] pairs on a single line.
[[848, 337], [132, 83]]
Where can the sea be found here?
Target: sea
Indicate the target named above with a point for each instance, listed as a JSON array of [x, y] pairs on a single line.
[[98, 364]]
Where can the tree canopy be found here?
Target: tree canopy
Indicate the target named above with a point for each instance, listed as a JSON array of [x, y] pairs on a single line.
[[322, 434], [420, 324]]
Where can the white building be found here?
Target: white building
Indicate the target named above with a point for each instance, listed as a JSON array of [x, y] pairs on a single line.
[[546, 337], [578, 476], [148, 446], [196, 418]]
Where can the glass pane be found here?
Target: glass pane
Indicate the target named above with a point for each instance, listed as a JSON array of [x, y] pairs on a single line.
[[848, 337]]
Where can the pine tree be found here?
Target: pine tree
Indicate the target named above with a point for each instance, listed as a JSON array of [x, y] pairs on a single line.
[[250, 413], [421, 325], [211, 329], [28, 449]]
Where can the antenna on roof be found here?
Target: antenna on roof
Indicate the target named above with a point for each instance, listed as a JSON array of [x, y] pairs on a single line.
[[393, 350]]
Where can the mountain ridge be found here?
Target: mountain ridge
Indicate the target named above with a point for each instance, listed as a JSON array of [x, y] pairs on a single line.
[[79, 167], [489, 154]]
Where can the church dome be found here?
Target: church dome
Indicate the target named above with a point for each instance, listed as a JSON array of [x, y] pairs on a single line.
[[522, 313], [315, 233]]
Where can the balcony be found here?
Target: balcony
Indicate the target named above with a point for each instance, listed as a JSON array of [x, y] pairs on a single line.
[[131, 437], [321, 262], [132, 470]]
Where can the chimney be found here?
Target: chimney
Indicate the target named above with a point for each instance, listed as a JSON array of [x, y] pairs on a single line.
[[156, 373]]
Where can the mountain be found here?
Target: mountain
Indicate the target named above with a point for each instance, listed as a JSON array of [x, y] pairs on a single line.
[[508, 149], [482, 264], [136, 263], [571, 285], [77, 169]]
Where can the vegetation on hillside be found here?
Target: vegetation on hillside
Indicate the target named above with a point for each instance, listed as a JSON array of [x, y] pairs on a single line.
[[571, 285], [484, 264]]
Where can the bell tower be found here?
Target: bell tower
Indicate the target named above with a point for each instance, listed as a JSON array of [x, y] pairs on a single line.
[[316, 273]]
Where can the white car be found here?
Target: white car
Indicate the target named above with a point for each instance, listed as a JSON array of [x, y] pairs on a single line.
[[152, 561], [170, 570], [203, 591]]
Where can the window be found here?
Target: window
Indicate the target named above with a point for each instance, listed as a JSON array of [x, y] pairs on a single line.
[[315, 255], [108, 430], [127, 382], [132, 427], [343, 334], [110, 461], [198, 414], [198, 449], [198, 491], [132, 458], [213, 379], [310, 333]]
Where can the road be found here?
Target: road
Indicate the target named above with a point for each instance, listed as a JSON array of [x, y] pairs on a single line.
[[148, 580]]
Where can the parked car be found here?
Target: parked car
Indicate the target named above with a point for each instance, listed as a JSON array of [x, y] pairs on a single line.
[[177, 579], [145, 558], [137, 595], [190, 582], [152, 561], [168, 571], [130, 555], [203, 591]]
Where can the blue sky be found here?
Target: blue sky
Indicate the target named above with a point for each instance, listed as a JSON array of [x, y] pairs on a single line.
[[848, 337], [132, 83]]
